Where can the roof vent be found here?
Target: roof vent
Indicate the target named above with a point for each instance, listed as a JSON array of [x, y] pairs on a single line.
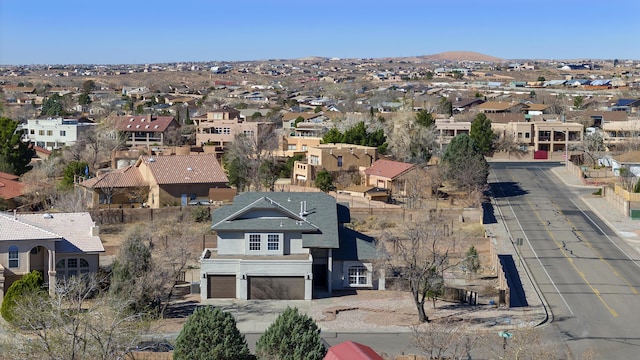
[[189, 169], [152, 160], [47, 216]]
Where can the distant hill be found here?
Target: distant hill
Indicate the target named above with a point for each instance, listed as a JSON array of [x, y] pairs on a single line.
[[461, 56]]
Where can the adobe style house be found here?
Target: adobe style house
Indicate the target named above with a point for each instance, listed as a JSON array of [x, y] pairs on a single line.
[[333, 158], [220, 127], [285, 245], [145, 130], [58, 245], [388, 174], [158, 181]]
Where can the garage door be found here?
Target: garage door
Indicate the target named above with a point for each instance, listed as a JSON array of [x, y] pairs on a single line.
[[221, 286], [276, 288]]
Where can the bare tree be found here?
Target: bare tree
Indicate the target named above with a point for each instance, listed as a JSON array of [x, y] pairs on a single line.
[[446, 340], [593, 146], [508, 143], [419, 256], [523, 343], [78, 321], [409, 141]]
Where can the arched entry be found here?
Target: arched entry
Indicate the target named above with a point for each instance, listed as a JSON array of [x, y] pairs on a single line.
[[39, 260]]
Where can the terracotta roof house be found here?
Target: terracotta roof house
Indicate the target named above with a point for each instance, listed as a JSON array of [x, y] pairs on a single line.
[[10, 188], [157, 181], [388, 174], [285, 246], [58, 245], [145, 130], [350, 350]]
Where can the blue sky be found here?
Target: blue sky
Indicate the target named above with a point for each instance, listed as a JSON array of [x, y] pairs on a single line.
[[158, 31]]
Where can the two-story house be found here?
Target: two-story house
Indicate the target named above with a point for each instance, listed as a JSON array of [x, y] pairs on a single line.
[[145, 130], [283, 245], [220, 127], [333, 158], [56, 133], [58, 245]]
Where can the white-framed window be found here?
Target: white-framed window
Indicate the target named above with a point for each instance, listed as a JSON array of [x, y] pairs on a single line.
[[314, 160], [254, 242], [63, 133], [291, 147], [14, 259], [358, 275], [66, 268], [273, 242], [265, 244]]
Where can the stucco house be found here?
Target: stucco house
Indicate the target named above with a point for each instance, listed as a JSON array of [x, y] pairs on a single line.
[[58, 245], [145, 130], [161, 180], [285, 245], [388, 174]]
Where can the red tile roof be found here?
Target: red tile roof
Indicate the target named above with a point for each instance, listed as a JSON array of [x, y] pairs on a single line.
[[349, 350], [143, 124], [10, 187], [186, 169], [388, 168]]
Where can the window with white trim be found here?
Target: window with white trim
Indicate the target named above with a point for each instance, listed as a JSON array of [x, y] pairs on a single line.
[[264, 244], [254, 242], [14, 260], [273, 242], [66, 268], [358, 275]]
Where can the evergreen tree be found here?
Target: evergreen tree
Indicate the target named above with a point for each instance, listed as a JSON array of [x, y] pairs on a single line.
[[292, 336], [29, 285], [482, 134], [52, 106], [424, 118], [464, 163], [324, 181], [187, 118], [72, 171], [15, 155], [333, 136], [210, 333]]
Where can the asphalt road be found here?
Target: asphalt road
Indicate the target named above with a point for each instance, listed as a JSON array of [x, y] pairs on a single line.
[[581, 267]]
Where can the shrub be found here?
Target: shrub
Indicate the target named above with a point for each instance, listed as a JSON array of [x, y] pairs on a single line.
[[210, 333], [200, 214], [292, 336], [30, 285]]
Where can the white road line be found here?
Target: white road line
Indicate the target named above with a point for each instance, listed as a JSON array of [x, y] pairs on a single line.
[[534, 252]]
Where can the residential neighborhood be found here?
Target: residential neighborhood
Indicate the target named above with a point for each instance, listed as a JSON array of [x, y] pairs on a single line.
[[303, 181]]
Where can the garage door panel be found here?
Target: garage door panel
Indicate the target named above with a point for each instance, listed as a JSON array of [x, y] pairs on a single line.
[[276, 288], [221, 286]]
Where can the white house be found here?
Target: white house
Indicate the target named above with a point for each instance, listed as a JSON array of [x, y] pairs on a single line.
[[55, 133]]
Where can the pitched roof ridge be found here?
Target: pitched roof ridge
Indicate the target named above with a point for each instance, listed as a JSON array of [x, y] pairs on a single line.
[[251, 205], [12, 218]]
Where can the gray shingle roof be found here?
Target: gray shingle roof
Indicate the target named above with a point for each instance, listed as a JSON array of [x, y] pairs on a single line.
[[355, 246], [320, 222]]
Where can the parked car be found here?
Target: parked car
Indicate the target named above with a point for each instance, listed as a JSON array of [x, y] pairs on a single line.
[[199, 203]]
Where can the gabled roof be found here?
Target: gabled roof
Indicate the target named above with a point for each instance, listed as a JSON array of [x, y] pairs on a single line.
[[185, 169], [15, 229], [536, 107], [388, 168], [269, 209], [355, 245], [495, 106], [350, 350], [144, 123], [627, 102], [121, 178], [74, 228]]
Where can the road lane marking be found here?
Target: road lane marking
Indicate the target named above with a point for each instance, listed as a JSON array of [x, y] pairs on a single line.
[[535, 254], [564, 253]]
